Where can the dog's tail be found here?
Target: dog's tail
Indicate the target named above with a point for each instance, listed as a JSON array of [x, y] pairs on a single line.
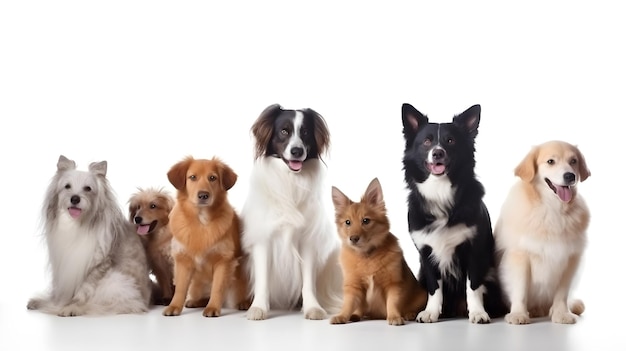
[[576, 306], [330, 284]]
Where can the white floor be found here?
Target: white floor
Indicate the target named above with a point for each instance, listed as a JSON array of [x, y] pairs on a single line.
[[31, 330]]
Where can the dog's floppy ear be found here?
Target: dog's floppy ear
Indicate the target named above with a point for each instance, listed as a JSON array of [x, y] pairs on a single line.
[[228, 177], [320, 132], [177, 175], [168, 200], [469, 120], [263, 127], [65, 164], [528, 167], [132, 209], [412, 121], [582, 166], [98, 168], [374, 194], [340, 200]]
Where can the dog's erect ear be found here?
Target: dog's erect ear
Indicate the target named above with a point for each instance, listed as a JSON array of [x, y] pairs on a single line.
[[177, 175], [228, 177], [374, 194], [263, 127], [528, 167], [320, 132], [469, 120], [412, 121], [582, 166], [65, 164], [340, 200], [98, 168]]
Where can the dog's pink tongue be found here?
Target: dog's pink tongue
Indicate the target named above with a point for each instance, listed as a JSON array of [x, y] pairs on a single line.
[[295, 165], [143, 229], [74, 212], [436, 169], [564, 193]]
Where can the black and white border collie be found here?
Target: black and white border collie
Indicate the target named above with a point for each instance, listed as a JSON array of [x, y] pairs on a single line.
[[448, 221], [289, 234]]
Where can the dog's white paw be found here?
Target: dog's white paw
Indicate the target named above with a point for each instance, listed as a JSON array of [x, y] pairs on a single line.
[[563, 318], [479, 317], [71, 311], [427, 317], [315, 313], [35, 304], [517, 318], [256, 314]]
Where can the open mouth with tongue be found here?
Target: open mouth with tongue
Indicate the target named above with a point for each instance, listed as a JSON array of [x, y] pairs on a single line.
[[564, 192], [74, 212], [143, 229], [294, 165], [436, 168]]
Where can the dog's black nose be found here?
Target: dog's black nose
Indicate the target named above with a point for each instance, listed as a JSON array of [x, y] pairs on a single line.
[[439, 154], [138, 220], [75, 199], [297, 151], [355, 239], [203, 195], [569, 177]]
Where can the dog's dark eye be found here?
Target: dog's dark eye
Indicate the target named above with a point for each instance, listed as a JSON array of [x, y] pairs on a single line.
[[284, 131], [450, 141], [550, 161], [212, 178], [153, 206], [304, 132], [192, 177], [87, 188], [68, 186], [365, 221], [348, 222], [427, 141], [573, 161]]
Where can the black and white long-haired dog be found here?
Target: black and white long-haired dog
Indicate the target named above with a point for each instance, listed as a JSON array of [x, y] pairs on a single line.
[[448, 220], [289, 234]]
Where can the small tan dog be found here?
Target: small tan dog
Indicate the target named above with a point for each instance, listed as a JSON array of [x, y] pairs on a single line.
[[149, 210], [206, 238], [541, 234], [378, 283]]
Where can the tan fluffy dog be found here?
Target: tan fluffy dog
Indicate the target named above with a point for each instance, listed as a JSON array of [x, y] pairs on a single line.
[[378, 282], [541, 234], [206, 244], [149, 211]]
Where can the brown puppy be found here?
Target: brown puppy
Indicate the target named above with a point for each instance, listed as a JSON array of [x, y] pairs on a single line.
[[541, 234], [149, 211], [378, 282], [206, 238]]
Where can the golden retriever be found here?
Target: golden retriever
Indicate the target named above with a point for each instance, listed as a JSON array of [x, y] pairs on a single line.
[[541, 234], [206, 238], [148, 210]]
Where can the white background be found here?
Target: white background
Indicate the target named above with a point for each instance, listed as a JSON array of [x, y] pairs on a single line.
[[142, 84]]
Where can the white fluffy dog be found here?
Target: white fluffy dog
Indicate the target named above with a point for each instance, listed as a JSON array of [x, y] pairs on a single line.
[[288, 233], [542, 233], [97, 261]]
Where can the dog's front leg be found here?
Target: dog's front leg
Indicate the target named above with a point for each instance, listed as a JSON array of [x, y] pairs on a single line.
[[309, 268], [260, 304], [559, 312], [516, 281]]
